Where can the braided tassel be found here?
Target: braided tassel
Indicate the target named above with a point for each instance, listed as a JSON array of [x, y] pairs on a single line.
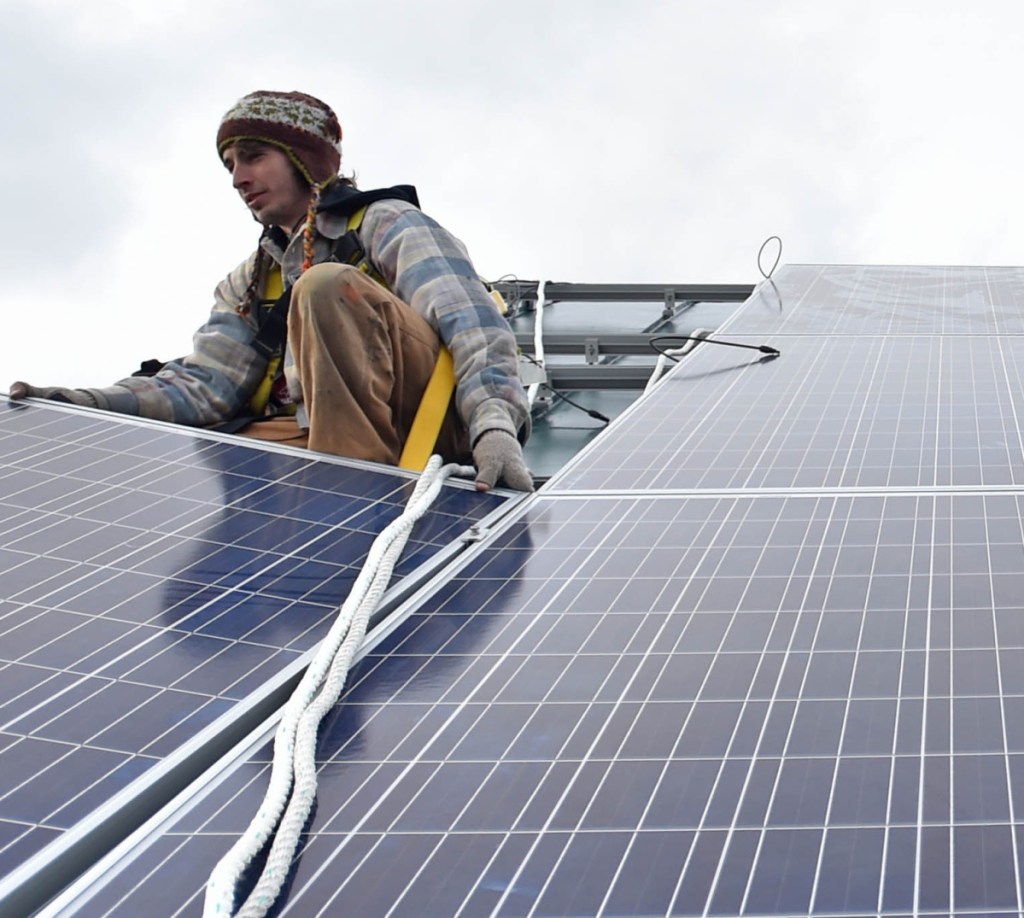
[[309, 233]]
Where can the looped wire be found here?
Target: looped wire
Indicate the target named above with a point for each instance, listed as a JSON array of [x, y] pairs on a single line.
[[775, 264]]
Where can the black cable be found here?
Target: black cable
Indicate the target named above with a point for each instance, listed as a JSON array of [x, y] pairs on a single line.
[[596, 415], [656, 341]]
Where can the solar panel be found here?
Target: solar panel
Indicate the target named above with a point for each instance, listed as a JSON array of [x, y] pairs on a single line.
[[896, 412], [886, 300], [780, 680], [160, 589], [739, 705]]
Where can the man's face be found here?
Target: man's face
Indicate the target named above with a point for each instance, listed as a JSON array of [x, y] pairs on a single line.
[[268, 183]]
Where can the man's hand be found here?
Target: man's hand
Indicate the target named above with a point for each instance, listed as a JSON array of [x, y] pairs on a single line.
[[21, 390], [498, 455]]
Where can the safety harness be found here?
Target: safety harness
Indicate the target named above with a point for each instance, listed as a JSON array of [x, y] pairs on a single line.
[[273, 326]]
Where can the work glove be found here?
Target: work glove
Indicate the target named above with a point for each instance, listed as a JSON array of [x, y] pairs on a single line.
[[54, 393], [498, 455]]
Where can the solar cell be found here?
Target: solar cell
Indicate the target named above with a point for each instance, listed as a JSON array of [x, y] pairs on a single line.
[[157, 584]]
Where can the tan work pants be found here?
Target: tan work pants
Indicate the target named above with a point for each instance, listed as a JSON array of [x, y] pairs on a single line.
[[362, 359]]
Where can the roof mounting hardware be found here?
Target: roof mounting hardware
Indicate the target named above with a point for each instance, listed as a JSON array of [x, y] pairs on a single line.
[[591, 350], [670, 304], [474, 534], [530, 371]]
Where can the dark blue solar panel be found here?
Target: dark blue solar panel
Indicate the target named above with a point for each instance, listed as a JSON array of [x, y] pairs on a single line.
[[152, 579], [752, 719]]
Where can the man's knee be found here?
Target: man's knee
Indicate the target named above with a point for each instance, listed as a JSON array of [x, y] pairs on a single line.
[[325, 288], [323, 281]]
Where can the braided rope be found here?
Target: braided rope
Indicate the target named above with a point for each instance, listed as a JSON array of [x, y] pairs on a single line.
[[294, 758]]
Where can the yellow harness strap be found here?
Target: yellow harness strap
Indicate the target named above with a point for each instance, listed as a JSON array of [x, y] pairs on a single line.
[[275, 284], [273, 287], [426, 426]]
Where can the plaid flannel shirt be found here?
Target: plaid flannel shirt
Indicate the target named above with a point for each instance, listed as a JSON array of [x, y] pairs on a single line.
[[424, 265]]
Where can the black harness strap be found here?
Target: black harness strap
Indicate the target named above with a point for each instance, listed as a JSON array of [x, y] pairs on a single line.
[[273, 326], [344, 201]]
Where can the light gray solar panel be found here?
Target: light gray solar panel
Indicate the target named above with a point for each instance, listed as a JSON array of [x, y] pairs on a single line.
[[885, 300], [869, 411]]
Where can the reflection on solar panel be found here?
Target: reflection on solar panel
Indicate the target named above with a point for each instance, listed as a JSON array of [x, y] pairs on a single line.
[[758, 651], [159, 590]]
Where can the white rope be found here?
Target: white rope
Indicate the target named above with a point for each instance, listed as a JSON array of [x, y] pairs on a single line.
[[295, 743], [663, 359], [538, 341]]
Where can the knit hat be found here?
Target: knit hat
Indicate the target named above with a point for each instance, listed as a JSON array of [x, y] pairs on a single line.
[[302, 126]]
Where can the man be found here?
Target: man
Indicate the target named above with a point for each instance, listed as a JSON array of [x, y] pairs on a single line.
[[350, 374]]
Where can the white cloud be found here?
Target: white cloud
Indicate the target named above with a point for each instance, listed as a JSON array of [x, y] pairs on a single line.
[[589, 141]]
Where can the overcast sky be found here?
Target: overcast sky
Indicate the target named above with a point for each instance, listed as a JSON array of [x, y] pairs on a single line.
[[579, 140]]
